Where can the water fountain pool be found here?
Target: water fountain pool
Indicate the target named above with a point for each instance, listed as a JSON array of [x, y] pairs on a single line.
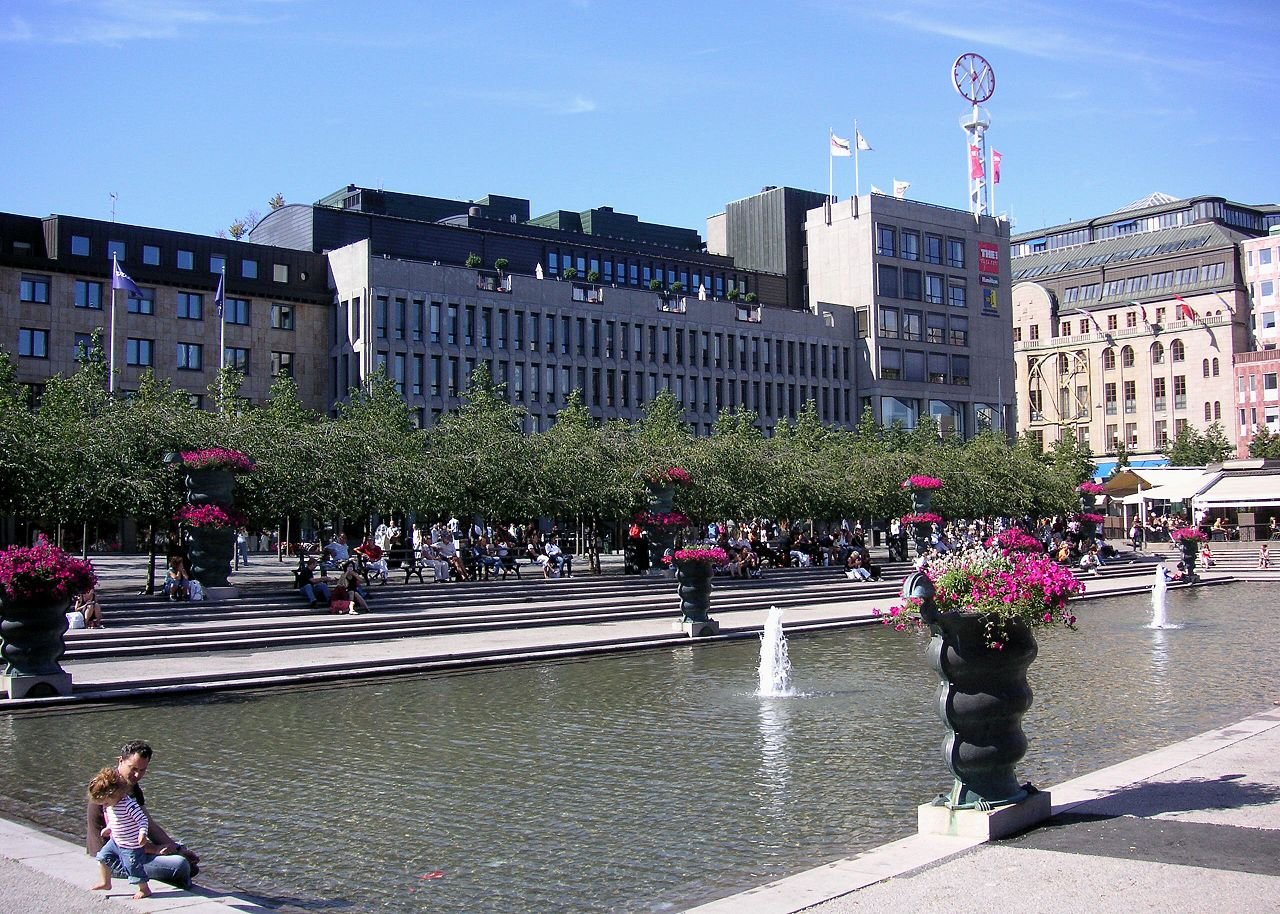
[[775, 661], [642, 782]]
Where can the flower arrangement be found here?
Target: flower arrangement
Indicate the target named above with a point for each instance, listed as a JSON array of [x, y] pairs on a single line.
[[922, 517], [1188, 535], [208, 516], [218, 458], [1001, 588], [921, 483], [43, 573], [1090, 488], [654, 519], [713, 554], [672, 476], [1014, 539], [1090, 518]]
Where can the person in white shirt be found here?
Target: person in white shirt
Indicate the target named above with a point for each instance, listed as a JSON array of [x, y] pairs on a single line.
[[550, 559]]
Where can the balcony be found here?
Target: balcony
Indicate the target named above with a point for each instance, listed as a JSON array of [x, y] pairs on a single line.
[[591, 294], [748, 313], [492, 282]]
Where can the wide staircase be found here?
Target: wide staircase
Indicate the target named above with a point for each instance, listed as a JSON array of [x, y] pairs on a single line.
[[274, 618], [1238, 559]]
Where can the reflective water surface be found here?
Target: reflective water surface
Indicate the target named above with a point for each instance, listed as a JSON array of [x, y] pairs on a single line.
[[643, 782]]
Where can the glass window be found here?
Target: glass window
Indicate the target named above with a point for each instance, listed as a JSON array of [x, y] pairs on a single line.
[[910, 244], [911, 287], [280, 272], [914, 366], [912, 325], [936, 327], [80, 245], [237, 358], [933, 288], [959, 331], [33, 343], [937, 368], [249, 269], [955, 253], [886, 241], [957, 296], [190, 356], [890, 364], [1126, 357], [116, 249], [191, 306], [139, 352], [1108, 359], [88, 294], [960, 369], [1177, 351], [237, 311], [186, 260], [83, 345], [282, 364], [151, 255], [217, 263], [889, 323], [144, 304], [933, 249], [282, 317], [1264, 255], [1267, 287], [35, 289], [888, 280]]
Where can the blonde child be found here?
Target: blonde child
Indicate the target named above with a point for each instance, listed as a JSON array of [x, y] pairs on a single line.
[[126, 828], [1264, 559]]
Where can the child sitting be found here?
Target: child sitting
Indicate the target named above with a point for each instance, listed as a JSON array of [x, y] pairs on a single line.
[[126, 831]]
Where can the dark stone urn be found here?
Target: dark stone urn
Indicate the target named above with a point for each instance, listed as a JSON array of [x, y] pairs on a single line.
[[982, 695], [212, 549], [32, 636], [921, 503], [661, 501], [1190, 555], [694, 579]]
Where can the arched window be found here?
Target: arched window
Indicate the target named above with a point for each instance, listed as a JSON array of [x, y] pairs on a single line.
[[1205, 367], [1108, 359], [1215, 368], [1126, 357], [1157, 353], [1217, 410], [1208, 413], [1177, 352], [1064, 363]]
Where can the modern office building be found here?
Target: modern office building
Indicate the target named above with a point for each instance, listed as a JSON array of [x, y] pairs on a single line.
[[870, 304], [1126, 326], [929, 291]]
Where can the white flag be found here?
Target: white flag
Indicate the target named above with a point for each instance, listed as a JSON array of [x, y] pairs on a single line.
[[900, 188], [863, 145], [839, 146]]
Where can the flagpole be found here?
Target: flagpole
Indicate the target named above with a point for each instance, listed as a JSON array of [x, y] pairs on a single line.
[[111, 336], [222, 332], [857, 184], [831, 158]]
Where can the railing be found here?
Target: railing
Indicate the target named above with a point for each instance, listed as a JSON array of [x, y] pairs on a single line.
[[591, 294], [486, 282]]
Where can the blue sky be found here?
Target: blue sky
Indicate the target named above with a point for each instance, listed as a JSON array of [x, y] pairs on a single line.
[[195, 111]]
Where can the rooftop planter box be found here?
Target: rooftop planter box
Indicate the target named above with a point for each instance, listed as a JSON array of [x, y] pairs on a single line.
[[749, 313], [489, 281], [585, 292]]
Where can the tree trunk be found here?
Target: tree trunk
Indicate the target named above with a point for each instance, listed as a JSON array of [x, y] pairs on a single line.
[[151, 559]]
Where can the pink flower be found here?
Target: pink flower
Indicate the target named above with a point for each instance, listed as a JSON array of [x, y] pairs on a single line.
[[208, 516], [923, 517], [218, 458], [43, 573], [714, 554], [921, 482]]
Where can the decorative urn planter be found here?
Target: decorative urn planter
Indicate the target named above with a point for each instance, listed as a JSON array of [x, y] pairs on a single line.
[[693, 569], [32, 635], [660, 519], [209, 480]]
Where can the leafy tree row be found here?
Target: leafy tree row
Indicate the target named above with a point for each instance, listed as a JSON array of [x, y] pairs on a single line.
[[84, 456]]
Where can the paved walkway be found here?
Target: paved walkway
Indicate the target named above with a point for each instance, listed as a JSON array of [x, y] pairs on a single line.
[[1193, 827]]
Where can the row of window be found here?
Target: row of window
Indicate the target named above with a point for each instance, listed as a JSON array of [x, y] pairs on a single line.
[[504, 330], [1264, 257], [915, 365], [1082, 236], [1268, 380], [1159, 395], [924, 326], [626, 272], [1145, 284], [33, 342], [187, 305], [418, 375], [913, 285], [153, 255], [910, 244]]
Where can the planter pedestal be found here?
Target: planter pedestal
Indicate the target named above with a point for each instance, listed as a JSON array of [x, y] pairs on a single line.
[[698, 629], [218, 594], [937, 818], [20, 685]]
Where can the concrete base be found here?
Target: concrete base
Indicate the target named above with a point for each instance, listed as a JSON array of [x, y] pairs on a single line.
[[51, 684], [985, 825], [699, 629], [217, 594]]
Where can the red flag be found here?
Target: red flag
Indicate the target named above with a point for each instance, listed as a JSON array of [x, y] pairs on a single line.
[[995, 166], [975, 163], [1186, 310]]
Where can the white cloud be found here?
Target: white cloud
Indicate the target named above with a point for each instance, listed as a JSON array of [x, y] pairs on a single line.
[[114, 22]]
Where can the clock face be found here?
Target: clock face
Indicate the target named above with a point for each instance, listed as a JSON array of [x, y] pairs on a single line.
[[974, 78]]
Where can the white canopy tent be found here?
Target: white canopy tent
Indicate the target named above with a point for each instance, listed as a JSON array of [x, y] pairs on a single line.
[[1232, 491]]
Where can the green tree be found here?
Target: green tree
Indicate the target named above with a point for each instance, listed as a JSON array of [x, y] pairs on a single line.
[[1265, 443]]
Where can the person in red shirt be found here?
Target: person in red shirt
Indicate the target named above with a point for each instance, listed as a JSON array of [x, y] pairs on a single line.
[[374, 562]]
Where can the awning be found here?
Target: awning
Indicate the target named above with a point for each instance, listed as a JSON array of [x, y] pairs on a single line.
[[1241, 491], [1105, 468], [1177, 489]]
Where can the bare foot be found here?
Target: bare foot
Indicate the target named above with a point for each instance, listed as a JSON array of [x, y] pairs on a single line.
[[143, 892], [101, 886]]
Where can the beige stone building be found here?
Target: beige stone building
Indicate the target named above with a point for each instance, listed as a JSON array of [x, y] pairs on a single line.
[[1126, 326]]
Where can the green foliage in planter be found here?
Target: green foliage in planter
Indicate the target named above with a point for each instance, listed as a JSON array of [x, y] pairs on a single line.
[[677, 288], [501, 264], [655, 285], [473, 260], [593, 276], [570, 273], [732, 294], [752, 298]]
